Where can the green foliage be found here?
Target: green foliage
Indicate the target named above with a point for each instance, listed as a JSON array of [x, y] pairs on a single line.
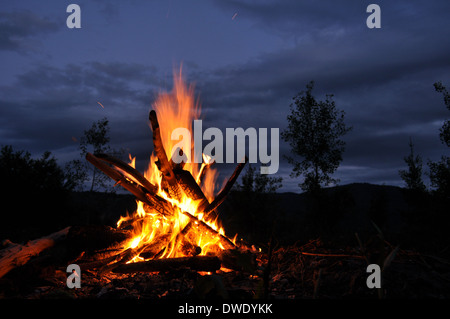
[[35, 188], [445, 130], [314, 133], [440, 176], [413, 176], [253, 182], [440, 171], [19, 169], [94, 140]]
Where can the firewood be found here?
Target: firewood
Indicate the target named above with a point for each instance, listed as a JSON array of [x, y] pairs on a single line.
[[121, 259], [96, 238], [99, 263], [160, 152], [189, 249], [156, 247], [203, 171], [90, 243], [157, 202], [224, 192], [16, 255], [197, 263], [236, 259], [142, 194], [177, 166], [227, 244], [118, 177], [133, 174], [191, 188]]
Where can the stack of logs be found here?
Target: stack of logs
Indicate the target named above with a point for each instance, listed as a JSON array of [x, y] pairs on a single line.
[[175, 181], [110, 256]]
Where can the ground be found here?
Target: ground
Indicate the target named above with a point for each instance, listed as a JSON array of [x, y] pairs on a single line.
[[309, 271]]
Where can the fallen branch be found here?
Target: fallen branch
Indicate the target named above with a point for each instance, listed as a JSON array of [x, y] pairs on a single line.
[[16, 255]]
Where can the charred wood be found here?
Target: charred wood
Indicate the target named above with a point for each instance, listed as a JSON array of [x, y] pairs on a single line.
[[165, 166], [129, 171]]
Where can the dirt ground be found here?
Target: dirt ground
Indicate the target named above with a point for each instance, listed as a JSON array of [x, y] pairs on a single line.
[[309, 271]]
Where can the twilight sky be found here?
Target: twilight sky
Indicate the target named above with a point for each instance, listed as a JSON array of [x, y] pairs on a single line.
[[247, 59]]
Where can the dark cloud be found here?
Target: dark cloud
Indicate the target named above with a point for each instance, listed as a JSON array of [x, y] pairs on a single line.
[[310, 20], [47, 105], [18, 29]]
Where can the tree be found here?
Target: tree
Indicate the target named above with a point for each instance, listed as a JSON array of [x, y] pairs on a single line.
[[440, 176], [440, 171], [413, 176], [253, 182], [94, 140], [36, 190], [445, 129], [314, 133]]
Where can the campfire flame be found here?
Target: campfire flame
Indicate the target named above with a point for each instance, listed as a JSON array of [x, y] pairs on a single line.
[[175, 235]]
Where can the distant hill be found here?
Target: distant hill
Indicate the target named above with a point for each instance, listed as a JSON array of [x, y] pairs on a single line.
[[358, 205], [365, 197]]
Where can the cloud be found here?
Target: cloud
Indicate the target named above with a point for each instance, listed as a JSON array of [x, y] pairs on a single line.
[[19, 31], [46, 106]]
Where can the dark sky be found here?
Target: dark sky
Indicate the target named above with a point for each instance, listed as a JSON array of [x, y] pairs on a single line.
[[247, 59]]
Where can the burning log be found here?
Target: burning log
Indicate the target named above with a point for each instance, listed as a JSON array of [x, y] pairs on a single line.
[[131, 172], [189, 185], [160, 204], [141, 193], [197, 263], [156, 248], [121, 259], [177, 166], [178, 187], [203, 171], [118, 177], [191, 188], [165, 168], [228, 244], [224, 192]]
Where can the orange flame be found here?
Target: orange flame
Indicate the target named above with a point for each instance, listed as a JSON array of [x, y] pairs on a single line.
[[175, 109]]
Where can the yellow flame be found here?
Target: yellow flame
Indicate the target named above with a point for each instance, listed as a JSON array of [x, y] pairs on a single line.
[[175, 109]]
